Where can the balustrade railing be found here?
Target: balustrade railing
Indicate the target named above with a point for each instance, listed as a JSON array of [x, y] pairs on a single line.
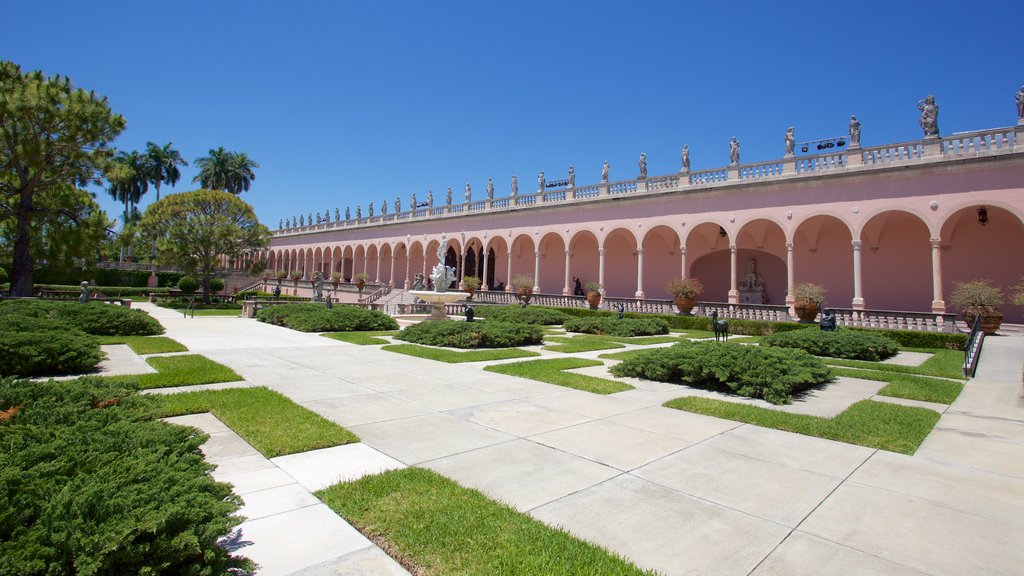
[[705, 177], [588, 192], [554, 196], [820, 162], [662, 183], [764, 312], [893, 153], [760, 170], [627, 187], [982, 143]]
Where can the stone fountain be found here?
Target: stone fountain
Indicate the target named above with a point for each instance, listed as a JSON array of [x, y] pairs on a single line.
[[442, 276]]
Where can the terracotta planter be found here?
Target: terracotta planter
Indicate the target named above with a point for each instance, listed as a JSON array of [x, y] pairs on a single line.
[[685, 304], [360, 284], [594, 299], [991, 318], [806, 311], [469, 293], [525, 294]]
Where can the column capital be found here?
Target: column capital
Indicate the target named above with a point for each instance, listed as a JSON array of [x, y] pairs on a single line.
[[536, 253], [789, 246], [732, 248], [600, 251], [855, 244], [935, 242], [568, 252], [639, 251]]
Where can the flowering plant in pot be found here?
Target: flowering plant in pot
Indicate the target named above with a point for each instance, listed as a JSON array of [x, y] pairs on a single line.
[[593, 290], [807, 298], [281, 275], [979, 298], [296, 276], [685, 292], [361, 279], [470, 284], [523, 285], [335, 279]]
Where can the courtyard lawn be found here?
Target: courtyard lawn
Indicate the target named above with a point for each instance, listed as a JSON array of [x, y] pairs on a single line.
[[694, 333], [186, 370], [911, 387], [455, 356], [867, 423], [943, 363], [432, 525], [625, 355], [146, 344], [362, 338], [268, 421], [578, 344], [552, 372]]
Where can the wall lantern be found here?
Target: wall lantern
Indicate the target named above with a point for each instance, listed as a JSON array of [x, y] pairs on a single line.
[[983, 216]]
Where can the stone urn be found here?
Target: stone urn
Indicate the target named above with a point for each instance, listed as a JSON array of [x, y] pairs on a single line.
[[991, 318], [685, 304], [806, 311], [360, 284], [594, 299], [524, 294]]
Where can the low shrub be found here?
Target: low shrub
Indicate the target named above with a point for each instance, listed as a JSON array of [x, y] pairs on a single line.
[[527, 315], [188, 284], [107, 291], [840, 344], [94, 318], [251, 294], [318, 318], [91, 483], [917, 339], [216, 285], [486, 334], [41, 347], [774, 374], [615, 327]]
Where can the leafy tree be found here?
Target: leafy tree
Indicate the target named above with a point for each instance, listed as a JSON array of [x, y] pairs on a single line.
[[194, 229], [53, 137], [67, 225], [162, 165], [226, 170]]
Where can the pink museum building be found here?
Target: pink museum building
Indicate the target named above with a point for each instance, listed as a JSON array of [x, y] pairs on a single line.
[[883, 228]]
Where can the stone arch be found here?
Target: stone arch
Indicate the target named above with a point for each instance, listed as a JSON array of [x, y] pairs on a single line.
[[359, 260], [348, 267], [586, 260], [402, 272], [337, 262], [708, 259], [417, 262], [318, 262], [498, 265], [372, 262], [823, 254], [764, 241], [522, 258], [896, 261], [620, 263], [385, 263], [661, 260], [552, 265]]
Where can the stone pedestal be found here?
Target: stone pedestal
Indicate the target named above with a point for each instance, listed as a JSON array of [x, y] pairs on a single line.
[[752, 296], [733, 172], [931, 146], [789, 164], [641, 185], [854, 156]]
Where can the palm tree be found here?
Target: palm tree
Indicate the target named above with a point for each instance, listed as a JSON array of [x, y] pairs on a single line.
[[225, 170], [162, 165], [128, 182]]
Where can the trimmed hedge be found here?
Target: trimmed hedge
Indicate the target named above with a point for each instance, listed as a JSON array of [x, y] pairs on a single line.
[[859, 345], [486, 334], [41, 347], [94, 318], [916, 339], [249, 294], [103, 277], [627, 327], [527, 315], [108, 291], [318, 318], [774, 374], [92, 483]]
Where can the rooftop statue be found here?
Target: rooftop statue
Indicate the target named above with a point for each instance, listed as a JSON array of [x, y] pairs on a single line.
[[572, 176], [383, 207], [302, 220], [790, 141], [1020, 105], [490, 188], [412, 202], [643, 166], [469, 194], [540, 181], [369, 210], [294, 223], [310, 221], [929, 116], [854, 131], [604, 171], [515, 185], [337, 215], [359, 212], [348, 214], [734, 151], [448, 198], [684, 156], [319, 218], [430, 198], [398, 205], [280, 224]]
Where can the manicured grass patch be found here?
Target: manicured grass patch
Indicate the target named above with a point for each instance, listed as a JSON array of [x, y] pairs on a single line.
[[146, 344], [625, 355], [186, 370], [911, 387], [485, 334], [551, 371], [873, 424], [944, 363], [694, 333], [362, 338], [436, 526], [269, 421], [454, 357], [579, 344]]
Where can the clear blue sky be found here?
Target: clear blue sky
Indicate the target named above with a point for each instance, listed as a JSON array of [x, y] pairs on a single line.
[[344, 103]]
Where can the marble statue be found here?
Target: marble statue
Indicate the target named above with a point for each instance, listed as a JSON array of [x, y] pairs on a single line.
[[417, 281], [280, 224], [83, 297], [490, 188], [318, 287], [929, 116], [348, 214], [369, 210], [412, 205], [790, 141], [383, 208], [337, 215], [854, 131], [442, 275], [734, 151], [430, 199], [469, 194], [302, 220], [294, 223], [448, 198], [319, 219], [604, 171], [643, 166], [572, 176], [1020, 105], [540, 181], [327, 216], [515, 186], [398, 205], [684, 157], [359, 213], [752, 280], [310, 221]]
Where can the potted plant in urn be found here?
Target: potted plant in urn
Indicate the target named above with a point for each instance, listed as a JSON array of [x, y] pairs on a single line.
[[296, 276], [979, 298], [807, 298], [593, 290], [281, 275], [523, 286], [685, 292], [361, 279], [335, 279], [470, 284]]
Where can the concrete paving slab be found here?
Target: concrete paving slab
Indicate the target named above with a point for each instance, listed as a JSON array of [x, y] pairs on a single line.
[[450, 397], [905, 358], [613, 444], [677, 423], [318, 469], [362, 562], [241, 465], [997, 428], [921, 533], [971, 450], [421, 438], [364, 409], [661, 529], [795, 450], [285, 543], [276, 500], [522, 473], [805, 555], [206, 422], [764, 489], [199, 387], [514, 386], [587, 403], [122, 360], [225, 445], [518, 417], [831, 399], [256, 480]]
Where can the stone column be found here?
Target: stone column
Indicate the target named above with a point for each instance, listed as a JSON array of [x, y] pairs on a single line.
[[938, 303], [485, 285], [408, 263], [682, 261], [858, 298], [391, 275], [790, 300], [536, 271], [600, 271], [425, 267], [377, 271], [734, 293], [508, 276], [566, 290], [639, 273], [462, 268]]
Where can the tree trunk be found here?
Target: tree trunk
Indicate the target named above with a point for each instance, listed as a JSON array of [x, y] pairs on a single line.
[[21, 269]]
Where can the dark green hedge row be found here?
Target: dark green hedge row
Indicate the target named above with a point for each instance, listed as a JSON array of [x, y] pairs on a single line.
[[626, 327], [774, 374], [915, 339], [527, 315], [94, 318], [486, 334], [92, 483], [318, 318], [42, 347], [850, 344], [103, 277], [248, 294], [108, 291]]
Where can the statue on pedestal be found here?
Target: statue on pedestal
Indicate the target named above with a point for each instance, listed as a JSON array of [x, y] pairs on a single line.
[[318, 287], [790, 141], [359, 213], [337, 215], [572, 176], [83, 297], [442, 275], [430, 199], [319, 219], [540, 181], [604, 171], [515, 186], [369, 210], [302, 220], [448, 198], [1020, 106], [412, 202], [684, 156], [490, 188], [348, 214], [383, 208], [929, 116], [734, 151], [854, 131], [469, 194], [310, 221], [398, 205], [294, 223], [280, 224], [751, 287], [643, 166]]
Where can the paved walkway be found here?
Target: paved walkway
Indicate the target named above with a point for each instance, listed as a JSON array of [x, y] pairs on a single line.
[[673, 491]]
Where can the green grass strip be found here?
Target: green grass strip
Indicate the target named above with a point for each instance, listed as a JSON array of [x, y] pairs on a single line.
[[943, 363], [187, 370], [867, 423], [551, 371], [361, 338], [269, 421], [626, 355], [454, 357], [436, 526], [235, 313], [580, 344], [146, 344], [911, 387]]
